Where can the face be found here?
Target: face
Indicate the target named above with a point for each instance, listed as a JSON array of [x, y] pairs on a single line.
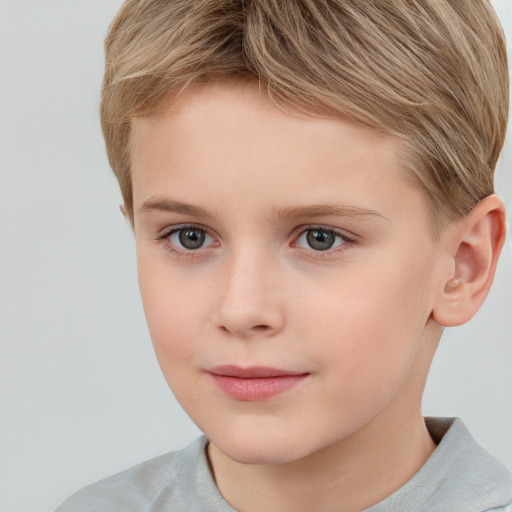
[[288, 271]]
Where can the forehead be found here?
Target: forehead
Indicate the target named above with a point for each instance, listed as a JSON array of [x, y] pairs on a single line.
[[229, 106], [223, 140]]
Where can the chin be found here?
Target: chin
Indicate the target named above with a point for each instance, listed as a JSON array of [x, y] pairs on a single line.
[[262, 447], [259, 453]]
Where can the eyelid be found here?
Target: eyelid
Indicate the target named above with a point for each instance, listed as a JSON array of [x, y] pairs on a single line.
[[343, 233], [168, 230]]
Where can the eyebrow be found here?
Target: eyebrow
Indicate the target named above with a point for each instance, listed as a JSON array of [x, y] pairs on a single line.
[[289, 213], [328, 209], [171, 206]]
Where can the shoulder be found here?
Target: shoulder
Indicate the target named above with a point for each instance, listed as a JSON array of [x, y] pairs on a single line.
[[508, 506], [462, 471], [460, 476], [141, 487]]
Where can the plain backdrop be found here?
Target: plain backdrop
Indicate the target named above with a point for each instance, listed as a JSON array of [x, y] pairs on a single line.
[[82, 396]]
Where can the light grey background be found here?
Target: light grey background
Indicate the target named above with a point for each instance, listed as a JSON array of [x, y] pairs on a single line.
[[82, 396]]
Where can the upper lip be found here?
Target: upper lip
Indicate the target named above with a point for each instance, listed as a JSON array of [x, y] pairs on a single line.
[[252, 372]]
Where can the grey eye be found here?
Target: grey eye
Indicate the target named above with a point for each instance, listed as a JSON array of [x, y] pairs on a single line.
[[320, 239], [189, 238]]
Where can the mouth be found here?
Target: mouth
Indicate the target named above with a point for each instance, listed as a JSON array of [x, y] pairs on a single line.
[[256, 383]]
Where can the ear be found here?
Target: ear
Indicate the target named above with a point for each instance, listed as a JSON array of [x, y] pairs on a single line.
[[124, 211], [475, 244]]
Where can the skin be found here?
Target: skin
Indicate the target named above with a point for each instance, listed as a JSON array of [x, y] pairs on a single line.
[[357, 318]]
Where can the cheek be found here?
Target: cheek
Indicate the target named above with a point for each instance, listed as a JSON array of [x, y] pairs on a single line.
[[175, 311], [367, 322]]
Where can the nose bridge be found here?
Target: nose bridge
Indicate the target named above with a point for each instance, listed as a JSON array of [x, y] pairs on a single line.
[[250, 299]]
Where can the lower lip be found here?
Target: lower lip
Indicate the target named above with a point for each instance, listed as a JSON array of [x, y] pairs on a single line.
[[256, 389]]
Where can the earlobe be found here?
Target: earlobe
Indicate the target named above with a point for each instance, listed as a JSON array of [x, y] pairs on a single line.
[[476, 242]]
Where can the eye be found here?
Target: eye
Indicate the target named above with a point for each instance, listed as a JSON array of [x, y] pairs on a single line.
[[321, 239], [189, 238]]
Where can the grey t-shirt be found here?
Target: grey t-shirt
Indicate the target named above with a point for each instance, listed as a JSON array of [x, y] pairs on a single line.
[[459, 477]]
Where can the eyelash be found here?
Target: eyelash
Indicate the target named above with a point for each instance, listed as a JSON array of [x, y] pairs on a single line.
[[331, 251], [319, 254], [180, 253]]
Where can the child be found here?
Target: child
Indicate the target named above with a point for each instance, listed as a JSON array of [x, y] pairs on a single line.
[[310, 184]]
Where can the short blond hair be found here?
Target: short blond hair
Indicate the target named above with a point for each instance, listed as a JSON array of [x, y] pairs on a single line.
[[431, 72]]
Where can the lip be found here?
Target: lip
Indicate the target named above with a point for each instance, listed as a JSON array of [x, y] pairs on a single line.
[[255, 383]]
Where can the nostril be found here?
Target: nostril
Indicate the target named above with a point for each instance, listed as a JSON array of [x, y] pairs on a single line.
[[260, 327], [254, 328]]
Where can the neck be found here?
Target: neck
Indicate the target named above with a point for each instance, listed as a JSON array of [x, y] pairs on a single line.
[[351, 475]]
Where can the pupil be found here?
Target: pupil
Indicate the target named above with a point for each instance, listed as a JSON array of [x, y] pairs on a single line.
[[320, 240], [191, 238]]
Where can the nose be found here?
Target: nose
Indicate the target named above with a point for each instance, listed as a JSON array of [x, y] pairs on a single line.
[[251, 302]]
